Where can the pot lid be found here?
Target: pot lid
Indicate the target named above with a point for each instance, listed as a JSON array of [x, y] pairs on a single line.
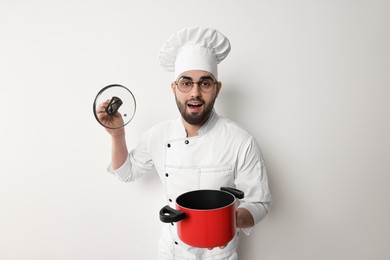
[[114, 106]]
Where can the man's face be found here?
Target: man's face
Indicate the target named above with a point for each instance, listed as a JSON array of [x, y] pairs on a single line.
[[195, 106]]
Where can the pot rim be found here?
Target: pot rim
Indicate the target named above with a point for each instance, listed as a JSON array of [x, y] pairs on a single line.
[[200, 190]]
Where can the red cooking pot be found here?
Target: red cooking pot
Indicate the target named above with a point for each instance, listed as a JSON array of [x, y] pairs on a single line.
[[205, 218]]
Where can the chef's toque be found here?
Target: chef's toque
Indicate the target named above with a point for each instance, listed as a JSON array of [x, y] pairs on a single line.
[[194, 48]]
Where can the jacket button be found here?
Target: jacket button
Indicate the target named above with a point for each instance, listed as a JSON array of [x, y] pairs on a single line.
[[186, 142], [170, 200], [169, 145], [176, 243], [166, 175]]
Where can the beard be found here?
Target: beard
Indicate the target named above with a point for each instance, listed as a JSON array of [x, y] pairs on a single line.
[[195, 118]]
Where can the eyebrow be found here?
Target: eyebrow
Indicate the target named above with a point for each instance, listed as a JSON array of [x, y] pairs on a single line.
[[201, 78], [207, 77]]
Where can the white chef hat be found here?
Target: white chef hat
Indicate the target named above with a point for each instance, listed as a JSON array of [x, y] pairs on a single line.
[[194, 48]]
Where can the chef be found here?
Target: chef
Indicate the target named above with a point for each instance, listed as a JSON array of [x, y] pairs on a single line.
[[198, 150]]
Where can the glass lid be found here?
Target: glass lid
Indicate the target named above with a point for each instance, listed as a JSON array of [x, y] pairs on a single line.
[[114, 106]]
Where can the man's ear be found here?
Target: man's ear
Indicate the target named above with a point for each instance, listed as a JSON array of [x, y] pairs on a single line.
[[173, 87], [219, 86]]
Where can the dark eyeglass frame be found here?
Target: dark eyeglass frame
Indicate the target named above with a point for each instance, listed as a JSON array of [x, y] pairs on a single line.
[[198, 83]]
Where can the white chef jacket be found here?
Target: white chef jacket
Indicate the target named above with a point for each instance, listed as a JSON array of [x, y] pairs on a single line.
[[223, 154]]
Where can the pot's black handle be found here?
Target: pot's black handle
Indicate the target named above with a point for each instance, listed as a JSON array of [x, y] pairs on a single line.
[[237, 193], [169, 215]]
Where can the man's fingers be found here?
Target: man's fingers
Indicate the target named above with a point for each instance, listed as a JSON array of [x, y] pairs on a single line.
[[221, 247]]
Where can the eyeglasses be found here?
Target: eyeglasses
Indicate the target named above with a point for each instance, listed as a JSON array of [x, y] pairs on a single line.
[[206, 84]]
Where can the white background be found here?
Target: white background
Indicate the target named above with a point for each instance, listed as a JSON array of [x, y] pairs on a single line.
[[309, 79]]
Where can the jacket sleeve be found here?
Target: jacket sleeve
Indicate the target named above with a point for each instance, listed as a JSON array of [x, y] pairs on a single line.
[[138, 163], [252, 178]]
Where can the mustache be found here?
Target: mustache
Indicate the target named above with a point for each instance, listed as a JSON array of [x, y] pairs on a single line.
[[195, 100]]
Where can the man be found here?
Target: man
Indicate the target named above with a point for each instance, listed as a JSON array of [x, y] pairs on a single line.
[[199, 150]]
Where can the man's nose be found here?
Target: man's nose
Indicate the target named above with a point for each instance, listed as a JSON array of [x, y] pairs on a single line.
[[195, 91]]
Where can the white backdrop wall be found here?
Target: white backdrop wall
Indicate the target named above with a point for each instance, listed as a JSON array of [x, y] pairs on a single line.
[[309, 79]]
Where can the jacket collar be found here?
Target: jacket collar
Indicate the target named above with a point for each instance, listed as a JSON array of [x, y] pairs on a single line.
[[210, 123]]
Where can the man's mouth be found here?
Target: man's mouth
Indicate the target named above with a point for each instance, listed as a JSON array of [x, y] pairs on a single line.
[[194, 105]]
